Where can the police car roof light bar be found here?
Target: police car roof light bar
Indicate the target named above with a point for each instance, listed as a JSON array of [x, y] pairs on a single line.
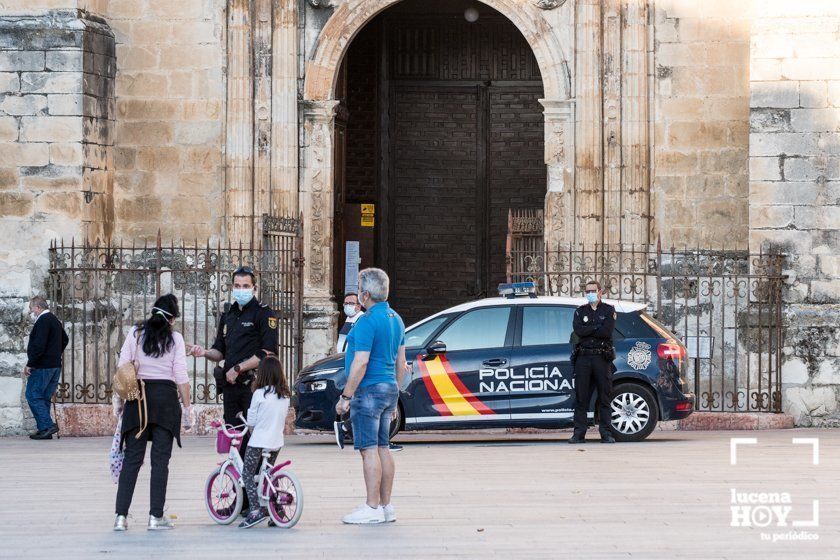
[[516, 289]]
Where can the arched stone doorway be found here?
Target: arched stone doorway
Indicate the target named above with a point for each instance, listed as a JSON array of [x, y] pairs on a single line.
[[542, 29]]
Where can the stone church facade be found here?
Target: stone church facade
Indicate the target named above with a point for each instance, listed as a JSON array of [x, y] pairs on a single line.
[[685, 123]]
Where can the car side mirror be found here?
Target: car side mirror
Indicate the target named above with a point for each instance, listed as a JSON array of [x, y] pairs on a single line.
[[434, 349]]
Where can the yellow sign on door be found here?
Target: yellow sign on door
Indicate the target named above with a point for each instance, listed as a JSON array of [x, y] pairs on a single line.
[[368, 212]]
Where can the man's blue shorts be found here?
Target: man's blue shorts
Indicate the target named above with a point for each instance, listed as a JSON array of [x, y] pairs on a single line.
[[370, 414]]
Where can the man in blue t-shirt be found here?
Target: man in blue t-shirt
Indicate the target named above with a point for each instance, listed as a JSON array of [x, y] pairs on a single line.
[[375, 362]]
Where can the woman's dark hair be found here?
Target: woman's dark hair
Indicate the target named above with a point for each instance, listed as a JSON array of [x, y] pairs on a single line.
[[156, 330], [270, 377]]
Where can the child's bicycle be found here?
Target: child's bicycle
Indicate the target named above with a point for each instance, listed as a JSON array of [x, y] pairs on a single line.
[[279, 488]]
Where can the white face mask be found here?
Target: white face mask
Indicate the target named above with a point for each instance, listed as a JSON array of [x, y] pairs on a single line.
[[349, 309], [33, 315]]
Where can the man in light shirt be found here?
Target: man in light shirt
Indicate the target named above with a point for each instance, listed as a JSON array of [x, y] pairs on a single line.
[[353, 310]]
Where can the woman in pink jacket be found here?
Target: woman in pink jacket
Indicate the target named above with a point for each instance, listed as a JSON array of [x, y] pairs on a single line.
[[159, 354]]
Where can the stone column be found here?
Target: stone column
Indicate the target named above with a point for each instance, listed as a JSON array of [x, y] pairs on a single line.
[[589, 194], [316, 204], [239, 149], [284, 176], [635, 116], [262, 45], [559, 157]]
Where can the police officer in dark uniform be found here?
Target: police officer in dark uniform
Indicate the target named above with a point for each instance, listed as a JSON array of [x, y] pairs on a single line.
[[247, 332], [593, 325]]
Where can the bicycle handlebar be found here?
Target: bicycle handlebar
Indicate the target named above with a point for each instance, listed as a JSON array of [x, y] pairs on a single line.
[[225, 427]]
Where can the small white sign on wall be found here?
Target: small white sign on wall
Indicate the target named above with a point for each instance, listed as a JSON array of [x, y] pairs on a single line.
[[351, 267]]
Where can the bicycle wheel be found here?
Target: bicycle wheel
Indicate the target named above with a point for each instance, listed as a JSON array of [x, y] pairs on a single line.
[[285, 503], [223, 496]]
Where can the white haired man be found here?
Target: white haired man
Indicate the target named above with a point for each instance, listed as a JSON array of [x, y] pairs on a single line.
[[375, 360]]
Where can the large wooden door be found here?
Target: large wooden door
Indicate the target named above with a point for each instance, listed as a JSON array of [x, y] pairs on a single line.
[[445, 132], [433, 192]]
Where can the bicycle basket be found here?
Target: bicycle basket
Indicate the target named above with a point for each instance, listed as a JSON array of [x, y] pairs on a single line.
[[223, 442]]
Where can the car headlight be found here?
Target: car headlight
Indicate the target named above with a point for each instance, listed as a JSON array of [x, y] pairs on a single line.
[[319, 385]]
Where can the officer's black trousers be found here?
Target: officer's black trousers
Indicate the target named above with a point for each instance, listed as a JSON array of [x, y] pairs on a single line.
[[593, 372], [237, 398]]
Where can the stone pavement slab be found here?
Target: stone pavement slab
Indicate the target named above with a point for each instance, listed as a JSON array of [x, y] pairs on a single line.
[[457, 496]]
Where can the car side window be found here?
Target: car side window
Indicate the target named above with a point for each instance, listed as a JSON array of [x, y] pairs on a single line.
[[481, 328], [416, 337], [546, 324]]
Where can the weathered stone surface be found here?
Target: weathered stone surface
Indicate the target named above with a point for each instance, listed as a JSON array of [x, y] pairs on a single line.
[[728, 421], [18, 61], [809, 405], [51, 82], [50, 129], [24, 104], [774, 94], [8, 129], [10, 391]]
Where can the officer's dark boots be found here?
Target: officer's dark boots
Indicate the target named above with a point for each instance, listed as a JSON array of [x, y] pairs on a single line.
[[577, 438], [607, 438]]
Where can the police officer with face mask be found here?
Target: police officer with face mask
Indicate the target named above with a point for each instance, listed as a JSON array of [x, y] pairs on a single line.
[[593, 325], [247, 332]]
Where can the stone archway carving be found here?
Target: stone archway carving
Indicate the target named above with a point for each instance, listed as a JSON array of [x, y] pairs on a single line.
[[543, 29]]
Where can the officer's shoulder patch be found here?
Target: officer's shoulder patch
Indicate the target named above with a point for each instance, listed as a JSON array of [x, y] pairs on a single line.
[[272, 322]]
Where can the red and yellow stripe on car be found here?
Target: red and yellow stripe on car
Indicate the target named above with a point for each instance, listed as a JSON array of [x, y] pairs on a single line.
[[449, 395]]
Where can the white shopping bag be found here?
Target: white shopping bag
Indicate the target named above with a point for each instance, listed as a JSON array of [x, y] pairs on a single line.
[[115, 457]]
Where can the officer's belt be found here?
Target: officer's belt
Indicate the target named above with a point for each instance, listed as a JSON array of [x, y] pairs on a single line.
[[593, 351]]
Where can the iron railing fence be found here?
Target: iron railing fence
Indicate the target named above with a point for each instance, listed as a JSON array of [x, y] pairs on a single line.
[[99, 292], [725, 306]]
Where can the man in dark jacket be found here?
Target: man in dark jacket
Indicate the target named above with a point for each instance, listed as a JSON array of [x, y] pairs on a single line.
[[47, 342], [593, 324]]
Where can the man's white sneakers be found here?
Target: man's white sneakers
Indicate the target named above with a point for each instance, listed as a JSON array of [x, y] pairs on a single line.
[[365, 515], [390, 513]]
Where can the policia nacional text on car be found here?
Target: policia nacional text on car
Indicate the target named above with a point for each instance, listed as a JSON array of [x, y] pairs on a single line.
[[247, 332], [593, 326]]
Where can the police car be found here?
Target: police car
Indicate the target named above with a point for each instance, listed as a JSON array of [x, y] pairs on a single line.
[[505, 362]]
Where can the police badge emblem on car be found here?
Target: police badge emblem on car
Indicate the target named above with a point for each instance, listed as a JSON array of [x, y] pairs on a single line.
[[639, 356]]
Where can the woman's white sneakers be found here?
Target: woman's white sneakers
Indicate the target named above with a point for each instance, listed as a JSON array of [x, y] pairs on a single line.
[[390, 513], [121, 523], [365, 515], [159, 523]]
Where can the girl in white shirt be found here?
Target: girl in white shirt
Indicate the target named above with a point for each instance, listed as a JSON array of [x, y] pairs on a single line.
[[267, 419]]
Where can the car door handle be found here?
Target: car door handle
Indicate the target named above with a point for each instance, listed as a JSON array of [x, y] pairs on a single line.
[[495, 362]]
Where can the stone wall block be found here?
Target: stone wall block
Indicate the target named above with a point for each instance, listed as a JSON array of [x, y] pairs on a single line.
[[24, 104], [9, 82], [776, 144], [65, 61], [65, 104], [774, 94], [51, 82], [765, 169], [21, 61], [50, 129], [770, 120]]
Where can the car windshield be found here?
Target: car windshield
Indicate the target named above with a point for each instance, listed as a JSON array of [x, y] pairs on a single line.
[[417, 336]]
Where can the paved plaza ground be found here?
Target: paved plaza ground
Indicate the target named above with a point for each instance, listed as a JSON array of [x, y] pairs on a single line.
[[457, 496]]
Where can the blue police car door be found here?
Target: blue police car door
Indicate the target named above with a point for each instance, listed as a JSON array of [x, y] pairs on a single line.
[[454, 391], [541, 379]]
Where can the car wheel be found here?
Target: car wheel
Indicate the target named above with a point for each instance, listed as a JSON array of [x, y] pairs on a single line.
[[634, 412], [396, 423]]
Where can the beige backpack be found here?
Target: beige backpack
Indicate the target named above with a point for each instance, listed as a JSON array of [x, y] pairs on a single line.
[[129, 388]]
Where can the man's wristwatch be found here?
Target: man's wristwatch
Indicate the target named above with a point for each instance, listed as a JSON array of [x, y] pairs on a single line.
[[237, 368], [345, 397]]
